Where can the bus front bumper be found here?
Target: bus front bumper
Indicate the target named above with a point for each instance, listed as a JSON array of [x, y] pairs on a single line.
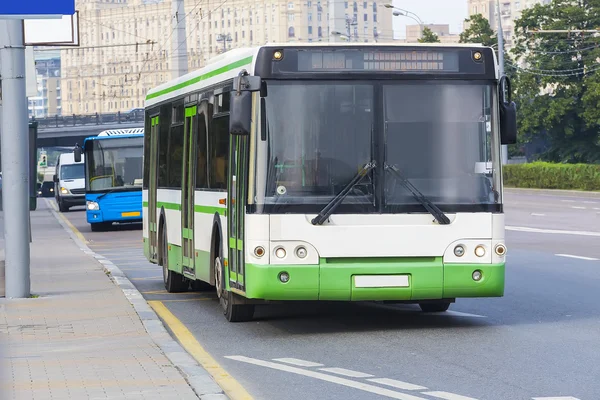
[[408, 279], [98, 216]]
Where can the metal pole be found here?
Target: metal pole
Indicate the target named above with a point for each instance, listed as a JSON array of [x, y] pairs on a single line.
[[15, 159], [501, 68], [179, 59]]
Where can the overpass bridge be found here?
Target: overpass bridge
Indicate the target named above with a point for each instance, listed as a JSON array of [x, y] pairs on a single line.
[[70, 130]]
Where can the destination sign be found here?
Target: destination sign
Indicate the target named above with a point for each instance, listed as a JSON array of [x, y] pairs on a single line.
[[400, 60]]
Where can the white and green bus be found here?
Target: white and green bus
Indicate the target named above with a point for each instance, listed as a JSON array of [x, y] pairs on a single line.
[[336, 172]]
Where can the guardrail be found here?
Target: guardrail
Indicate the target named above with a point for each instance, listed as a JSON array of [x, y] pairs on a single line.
[[88, 119]]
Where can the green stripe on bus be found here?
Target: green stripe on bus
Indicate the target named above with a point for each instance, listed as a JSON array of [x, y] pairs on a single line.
[[198, 209], [197, 79]]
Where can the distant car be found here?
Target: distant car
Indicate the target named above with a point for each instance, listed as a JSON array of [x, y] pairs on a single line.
[[47, 189]]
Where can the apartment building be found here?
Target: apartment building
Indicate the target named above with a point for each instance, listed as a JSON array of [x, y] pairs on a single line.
[[413, 33], [126, 44], [47, 102], [510, 11]]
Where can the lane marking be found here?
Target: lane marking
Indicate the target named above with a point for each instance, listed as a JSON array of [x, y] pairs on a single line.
[[397, 384], [555, 398], [461, 314], [577, 257], [147, 278], [538, 215], [568, 201], [296, 361], [590, 202], [232, 388], [579, 207], [448, 396], [66, 221], [551, 231], [328, 378], [346, 372]]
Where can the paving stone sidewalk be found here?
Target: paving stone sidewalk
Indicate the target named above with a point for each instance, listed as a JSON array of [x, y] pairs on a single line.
[[81, 338]]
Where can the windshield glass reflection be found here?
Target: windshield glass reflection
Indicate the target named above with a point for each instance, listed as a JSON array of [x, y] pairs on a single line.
[[114, 164]]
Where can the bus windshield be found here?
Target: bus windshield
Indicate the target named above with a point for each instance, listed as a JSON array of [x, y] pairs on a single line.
[[72, 171], [114, 164], [440, 135]]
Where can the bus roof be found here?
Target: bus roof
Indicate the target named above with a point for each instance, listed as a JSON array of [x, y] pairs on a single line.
[[117, 134], [227, 66]]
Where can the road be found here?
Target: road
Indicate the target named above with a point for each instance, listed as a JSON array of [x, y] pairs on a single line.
[[541, 340]]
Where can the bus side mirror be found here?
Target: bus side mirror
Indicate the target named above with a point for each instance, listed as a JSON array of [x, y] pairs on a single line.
[[77, 154], [55, 178], [508, 113], [240, 117]]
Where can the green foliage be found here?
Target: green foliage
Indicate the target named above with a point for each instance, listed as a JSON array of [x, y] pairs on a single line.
[[557, 84], [479, 31], [429, 36], [544, 175]]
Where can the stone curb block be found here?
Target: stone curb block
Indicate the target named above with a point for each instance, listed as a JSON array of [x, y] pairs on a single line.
[[197, 377]]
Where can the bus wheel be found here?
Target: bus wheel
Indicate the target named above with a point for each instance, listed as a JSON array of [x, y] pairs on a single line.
[[233, 312], [439, 306], [174, 282]]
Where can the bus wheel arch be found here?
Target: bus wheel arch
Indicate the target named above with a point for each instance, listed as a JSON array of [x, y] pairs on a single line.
[[216, 247]]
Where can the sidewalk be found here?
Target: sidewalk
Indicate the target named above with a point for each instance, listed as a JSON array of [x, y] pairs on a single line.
[[81, 338]]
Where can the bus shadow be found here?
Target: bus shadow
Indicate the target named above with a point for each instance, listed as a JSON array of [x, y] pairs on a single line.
[[311, 318], [134, 226]]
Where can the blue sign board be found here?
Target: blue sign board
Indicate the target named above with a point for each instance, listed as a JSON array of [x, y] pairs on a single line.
[[37, 7]]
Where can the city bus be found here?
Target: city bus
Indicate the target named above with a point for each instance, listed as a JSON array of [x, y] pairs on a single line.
[[113, 177], [330, 172]]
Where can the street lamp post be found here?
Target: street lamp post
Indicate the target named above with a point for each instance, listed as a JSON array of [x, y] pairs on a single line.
[[225, 39], [401, 12]]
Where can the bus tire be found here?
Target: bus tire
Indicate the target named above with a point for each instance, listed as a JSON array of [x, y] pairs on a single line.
[[174, 282], [233, 312], [438, 306]]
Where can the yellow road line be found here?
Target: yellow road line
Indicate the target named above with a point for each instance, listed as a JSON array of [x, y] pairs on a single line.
[[66, 221], [231, 387], [165, 292], [179, 300]]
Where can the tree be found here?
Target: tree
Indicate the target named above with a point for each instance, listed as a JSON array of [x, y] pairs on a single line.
[[479, 31], [428, 36], [557, 88]]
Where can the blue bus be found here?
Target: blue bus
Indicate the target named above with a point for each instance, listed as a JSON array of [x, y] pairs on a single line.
[[113, 177]]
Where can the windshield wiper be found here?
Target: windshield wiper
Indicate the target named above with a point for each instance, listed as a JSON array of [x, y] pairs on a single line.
[[432, 208], [337, 200]]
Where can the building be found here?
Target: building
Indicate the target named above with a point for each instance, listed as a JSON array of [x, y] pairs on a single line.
[[47, 103], [126, 44], [510, 10], [413, 33]]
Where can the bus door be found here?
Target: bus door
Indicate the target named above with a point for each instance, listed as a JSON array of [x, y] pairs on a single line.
[[152, 186], [236, 209], [187, 191]]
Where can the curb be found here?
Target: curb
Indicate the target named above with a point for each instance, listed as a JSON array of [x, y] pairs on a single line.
[[197, 377], [553, 192]]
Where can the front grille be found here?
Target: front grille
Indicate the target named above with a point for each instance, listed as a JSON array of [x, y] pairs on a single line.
[[78, 191]]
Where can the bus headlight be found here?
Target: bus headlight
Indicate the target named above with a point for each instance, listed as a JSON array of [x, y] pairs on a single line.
[[500, 250], [480, 251], [64, 190], [301, 252], [280, 252], [93, 206]]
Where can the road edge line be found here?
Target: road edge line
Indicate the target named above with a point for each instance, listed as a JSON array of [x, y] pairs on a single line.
[[230, 385], [198, 378], [79, 235]]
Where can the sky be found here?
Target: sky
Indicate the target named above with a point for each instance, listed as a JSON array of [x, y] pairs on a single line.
[[452, 12]]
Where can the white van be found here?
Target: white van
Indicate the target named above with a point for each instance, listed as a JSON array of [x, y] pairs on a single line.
[[69, 182]]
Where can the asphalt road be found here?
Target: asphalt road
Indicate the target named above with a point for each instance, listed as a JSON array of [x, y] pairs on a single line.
[[541, 340]]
